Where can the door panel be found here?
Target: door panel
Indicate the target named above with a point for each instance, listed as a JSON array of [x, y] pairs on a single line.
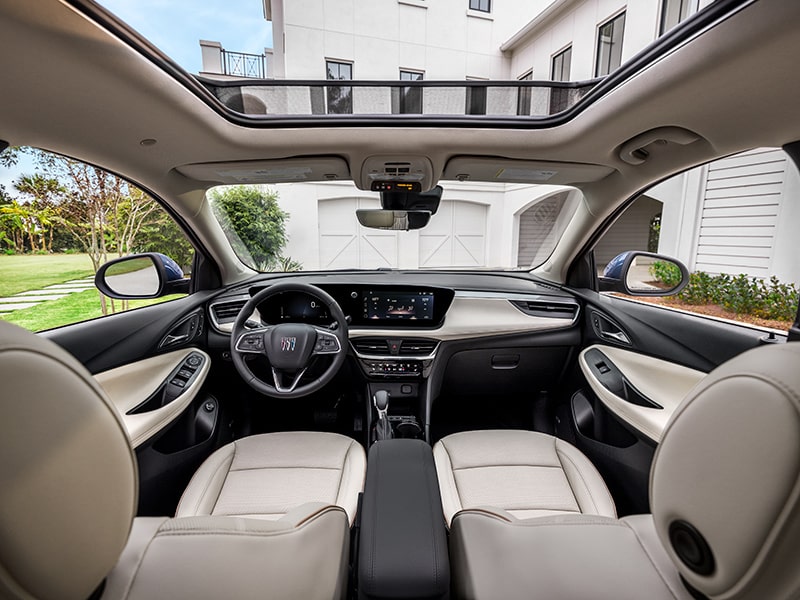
[[134, 356], [646, 391], [692, 341], [126, 337], [662, 353], [151, 393]]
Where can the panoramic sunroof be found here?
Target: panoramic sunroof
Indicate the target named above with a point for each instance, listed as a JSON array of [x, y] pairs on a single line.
[[282, 98]]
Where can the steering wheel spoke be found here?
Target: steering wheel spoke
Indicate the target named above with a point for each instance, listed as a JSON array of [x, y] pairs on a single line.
[[327, 342], [253, 341], [279, 376]]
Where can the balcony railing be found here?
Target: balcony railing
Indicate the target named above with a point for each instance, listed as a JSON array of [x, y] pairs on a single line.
[[431, 98], [241, 64]]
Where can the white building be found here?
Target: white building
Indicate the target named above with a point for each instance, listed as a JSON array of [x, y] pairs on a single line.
[[727, 217]]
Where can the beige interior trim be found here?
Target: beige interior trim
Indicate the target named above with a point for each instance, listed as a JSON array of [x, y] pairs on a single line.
[[661, 381], [474, 317], [130, 385]]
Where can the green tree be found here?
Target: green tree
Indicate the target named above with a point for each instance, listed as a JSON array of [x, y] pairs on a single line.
[[43, 194], [253, 221], [162, 234]]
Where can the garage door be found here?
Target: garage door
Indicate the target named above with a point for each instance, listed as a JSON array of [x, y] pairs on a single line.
[[455, 237], [344, 244]]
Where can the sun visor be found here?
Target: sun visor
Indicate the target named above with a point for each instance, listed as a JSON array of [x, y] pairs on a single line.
[[504, 170], [306, 169]]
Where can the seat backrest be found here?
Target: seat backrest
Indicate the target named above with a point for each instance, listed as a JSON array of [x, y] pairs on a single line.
[[68, 484], [725, 484]]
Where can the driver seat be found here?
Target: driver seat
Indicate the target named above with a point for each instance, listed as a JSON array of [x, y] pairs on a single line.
[[68, 495]]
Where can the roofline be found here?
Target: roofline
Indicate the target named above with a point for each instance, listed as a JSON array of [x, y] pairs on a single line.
[[549, 14]]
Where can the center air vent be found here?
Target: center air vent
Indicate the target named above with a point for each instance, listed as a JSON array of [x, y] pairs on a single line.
[[417, 347], [371, 346], [392, 347], [551, 310]]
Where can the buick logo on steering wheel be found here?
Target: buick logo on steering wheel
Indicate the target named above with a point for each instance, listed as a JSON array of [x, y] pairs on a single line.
[[288, 344]]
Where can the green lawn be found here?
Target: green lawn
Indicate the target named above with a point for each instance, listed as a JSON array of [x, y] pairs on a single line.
[[71, 309], [24, 272]]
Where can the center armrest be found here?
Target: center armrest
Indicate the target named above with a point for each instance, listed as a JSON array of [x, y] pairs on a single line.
[[403, 539]]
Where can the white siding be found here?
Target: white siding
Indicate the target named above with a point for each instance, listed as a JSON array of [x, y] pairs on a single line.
[[740, 211], [630, 232]]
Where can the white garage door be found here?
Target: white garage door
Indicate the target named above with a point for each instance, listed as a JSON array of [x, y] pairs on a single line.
[[455, 237], [344, 244]]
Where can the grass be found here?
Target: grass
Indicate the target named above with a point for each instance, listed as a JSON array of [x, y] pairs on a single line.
[[24, 272], [71, 309]]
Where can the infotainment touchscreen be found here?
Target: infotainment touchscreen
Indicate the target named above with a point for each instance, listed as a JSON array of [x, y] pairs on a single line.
[[399, 305]]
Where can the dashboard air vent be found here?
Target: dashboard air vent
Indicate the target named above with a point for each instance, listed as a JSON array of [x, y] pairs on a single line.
[[371, 346], [226, 312], [414, 347], [551, 310]]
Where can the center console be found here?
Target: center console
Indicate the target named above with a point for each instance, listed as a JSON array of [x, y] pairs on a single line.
[[402, 538], [400, 367]]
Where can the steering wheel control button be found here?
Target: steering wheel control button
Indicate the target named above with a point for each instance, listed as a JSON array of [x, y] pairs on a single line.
[[253, 342], [326, 343]]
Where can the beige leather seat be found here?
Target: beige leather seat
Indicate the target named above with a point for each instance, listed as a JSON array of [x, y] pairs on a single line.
[[725, 494], [266, 476], [68, 487], [525, 473]]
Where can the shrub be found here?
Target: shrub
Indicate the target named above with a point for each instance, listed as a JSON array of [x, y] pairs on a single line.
[[666, 272], [741, 294]]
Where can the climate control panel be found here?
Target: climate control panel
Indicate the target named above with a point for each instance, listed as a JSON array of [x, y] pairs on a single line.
[[393, 368]]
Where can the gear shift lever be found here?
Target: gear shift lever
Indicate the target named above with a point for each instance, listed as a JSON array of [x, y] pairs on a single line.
[[383, 429]]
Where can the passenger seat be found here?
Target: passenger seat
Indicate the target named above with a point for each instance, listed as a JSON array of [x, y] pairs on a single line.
[[525, 473]]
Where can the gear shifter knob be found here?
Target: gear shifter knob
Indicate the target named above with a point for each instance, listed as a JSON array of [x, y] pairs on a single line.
[[381, 400]]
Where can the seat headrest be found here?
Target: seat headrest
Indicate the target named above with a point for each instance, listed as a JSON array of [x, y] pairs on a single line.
[[725, 484], [68, 484]]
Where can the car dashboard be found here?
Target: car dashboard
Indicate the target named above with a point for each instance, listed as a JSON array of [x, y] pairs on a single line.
[[421, 336]]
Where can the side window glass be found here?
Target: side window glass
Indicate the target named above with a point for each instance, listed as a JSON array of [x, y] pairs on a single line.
[[60, 220], [733, 223]]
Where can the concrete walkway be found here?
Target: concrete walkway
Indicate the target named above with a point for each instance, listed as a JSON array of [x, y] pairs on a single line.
[[51, 292]]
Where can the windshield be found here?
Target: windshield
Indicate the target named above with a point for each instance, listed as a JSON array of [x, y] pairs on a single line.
[[313, 227]]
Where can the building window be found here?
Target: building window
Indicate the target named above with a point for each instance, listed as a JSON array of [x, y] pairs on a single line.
[[675, 11], [476, 99], [524, 95], [561, 65], [408, 100], [609, 45], [340, 98], [481, 5]]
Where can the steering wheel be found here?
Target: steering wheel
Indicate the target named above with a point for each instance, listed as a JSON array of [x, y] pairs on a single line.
[[289, 347]]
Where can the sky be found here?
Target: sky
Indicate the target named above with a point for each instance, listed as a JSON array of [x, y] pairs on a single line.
[[176, 28]]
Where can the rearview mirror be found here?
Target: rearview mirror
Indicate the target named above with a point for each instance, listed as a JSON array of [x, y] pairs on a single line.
[[149, 275], [644, 274], [398, 220]]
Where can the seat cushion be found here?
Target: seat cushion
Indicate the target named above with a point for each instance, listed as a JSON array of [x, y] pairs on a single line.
[[568, 557], [265, 476], [202, 558], [526, 473]]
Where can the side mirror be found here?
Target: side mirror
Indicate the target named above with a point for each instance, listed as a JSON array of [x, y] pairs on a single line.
[[140, 276], [644, 274]]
